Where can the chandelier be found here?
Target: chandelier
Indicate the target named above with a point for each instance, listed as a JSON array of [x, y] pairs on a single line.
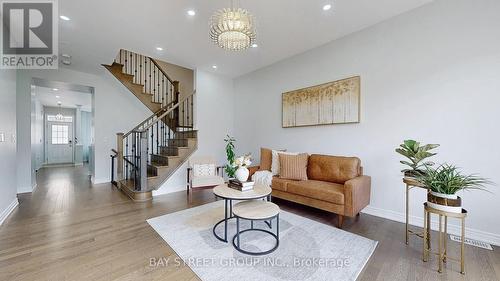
[[59, 116], [232, 28]]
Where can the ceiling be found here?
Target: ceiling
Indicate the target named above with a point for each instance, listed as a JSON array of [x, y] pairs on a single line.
[[69, 99], [98, 29]]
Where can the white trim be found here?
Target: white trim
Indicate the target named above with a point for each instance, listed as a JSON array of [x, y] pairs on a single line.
[[99, 181], [476, 234], [8, 210]]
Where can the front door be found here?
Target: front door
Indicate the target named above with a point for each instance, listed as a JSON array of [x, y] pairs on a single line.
[[59, 142]]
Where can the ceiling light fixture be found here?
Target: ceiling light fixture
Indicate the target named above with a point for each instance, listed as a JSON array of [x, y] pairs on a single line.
[[64, 17], [327, 7], [233, 28], [59, 115], [255, 45], [57, 97], [55, 89], [191, 12], [214, 66], [159, 48]]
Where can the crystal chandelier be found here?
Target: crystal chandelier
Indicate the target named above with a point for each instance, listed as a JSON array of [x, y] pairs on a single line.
[[232, 28]]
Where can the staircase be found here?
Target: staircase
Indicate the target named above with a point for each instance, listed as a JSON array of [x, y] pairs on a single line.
[[150, 153]]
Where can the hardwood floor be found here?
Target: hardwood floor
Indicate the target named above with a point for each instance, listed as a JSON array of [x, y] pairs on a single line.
[[69, 229]]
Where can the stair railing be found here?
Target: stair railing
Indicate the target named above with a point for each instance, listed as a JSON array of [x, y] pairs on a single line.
[[148, 73], [152, 140]]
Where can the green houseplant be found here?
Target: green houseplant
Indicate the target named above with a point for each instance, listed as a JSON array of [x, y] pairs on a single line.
[[416, 154], [444, 182], [230, 167]]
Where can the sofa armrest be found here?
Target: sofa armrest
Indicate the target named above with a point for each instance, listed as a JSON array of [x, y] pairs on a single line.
[[356, 195], [252, 170]]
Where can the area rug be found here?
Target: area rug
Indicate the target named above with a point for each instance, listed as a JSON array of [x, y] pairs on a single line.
[[308, 250]]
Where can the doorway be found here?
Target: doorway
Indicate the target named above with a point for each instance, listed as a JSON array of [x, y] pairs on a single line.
[[59, 140], [62, 126]]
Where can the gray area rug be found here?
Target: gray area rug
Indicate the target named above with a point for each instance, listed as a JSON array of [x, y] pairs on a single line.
[[308, 250]]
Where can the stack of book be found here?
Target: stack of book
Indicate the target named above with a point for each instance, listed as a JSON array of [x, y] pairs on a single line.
[[241, 186]]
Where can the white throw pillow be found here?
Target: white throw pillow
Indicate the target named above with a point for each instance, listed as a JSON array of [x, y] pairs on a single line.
[[275, 163], [200, 170]]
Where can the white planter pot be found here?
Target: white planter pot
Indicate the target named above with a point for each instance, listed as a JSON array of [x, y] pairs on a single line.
[[441, 207], [442, 195], [242, 174]]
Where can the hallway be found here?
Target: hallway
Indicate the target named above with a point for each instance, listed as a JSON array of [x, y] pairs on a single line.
[[69, 229]]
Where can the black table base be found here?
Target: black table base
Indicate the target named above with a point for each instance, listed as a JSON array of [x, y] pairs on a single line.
[[236, 238], [228, 214]]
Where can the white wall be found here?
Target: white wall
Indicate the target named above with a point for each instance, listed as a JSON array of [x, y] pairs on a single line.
[[8, 197], [213, 120], [116, 110], [431, 74]]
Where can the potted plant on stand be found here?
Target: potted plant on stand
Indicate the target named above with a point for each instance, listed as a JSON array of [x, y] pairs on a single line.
[[444, 182], [416, 153]]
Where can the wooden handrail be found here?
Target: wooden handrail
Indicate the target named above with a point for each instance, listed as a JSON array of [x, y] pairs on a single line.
[[168, 112], [161, 69], [155, 63], [147, 119]]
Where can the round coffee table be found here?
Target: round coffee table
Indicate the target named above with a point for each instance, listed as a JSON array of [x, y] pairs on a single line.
[[229, 194], [256, 211]]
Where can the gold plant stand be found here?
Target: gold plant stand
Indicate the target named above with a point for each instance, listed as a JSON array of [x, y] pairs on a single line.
[[411, 183], [443, 237]]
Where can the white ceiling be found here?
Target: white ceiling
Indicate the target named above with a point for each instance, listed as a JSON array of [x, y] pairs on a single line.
[[98, 29], [69, 99]]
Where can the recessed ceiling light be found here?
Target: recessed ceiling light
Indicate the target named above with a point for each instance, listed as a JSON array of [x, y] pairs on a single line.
[[159, 48], [327, 7], [64, 18], [55, 89], [57, 97], [191, 12], [255, 45], [59, 103], [214, 66]]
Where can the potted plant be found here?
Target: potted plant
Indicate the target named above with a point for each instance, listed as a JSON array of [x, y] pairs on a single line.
[[444, 182], [230, 167], [236, 167], [416, 153]]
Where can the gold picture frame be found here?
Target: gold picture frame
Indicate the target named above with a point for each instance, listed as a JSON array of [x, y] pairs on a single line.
[[337, 102]]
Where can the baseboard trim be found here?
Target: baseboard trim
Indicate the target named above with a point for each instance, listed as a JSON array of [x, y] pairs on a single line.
[[472, 233], [8, 210]]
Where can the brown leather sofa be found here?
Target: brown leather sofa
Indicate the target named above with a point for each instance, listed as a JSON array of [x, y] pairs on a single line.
[[335, 184]]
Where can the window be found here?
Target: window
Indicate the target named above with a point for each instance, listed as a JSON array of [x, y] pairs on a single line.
[[60, 134], [53, 118]]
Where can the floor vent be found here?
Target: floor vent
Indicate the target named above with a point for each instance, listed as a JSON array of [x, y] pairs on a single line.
[[472, 242]]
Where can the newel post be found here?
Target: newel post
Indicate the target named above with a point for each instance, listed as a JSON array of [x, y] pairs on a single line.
[[144, 161], [119, 156]]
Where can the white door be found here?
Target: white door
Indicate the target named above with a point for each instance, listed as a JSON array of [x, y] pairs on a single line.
[[59, 142]]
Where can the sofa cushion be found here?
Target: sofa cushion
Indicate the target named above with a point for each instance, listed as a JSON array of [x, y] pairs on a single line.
[[336, 169], [293, 167], [280, 184], [321, 190], [265, 159]]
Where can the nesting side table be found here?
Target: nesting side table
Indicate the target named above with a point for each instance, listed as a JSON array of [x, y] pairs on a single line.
[[443, 236], [411, 183]]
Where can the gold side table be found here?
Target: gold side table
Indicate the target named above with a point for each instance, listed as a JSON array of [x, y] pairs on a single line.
[[443, 236], [411, 183]]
